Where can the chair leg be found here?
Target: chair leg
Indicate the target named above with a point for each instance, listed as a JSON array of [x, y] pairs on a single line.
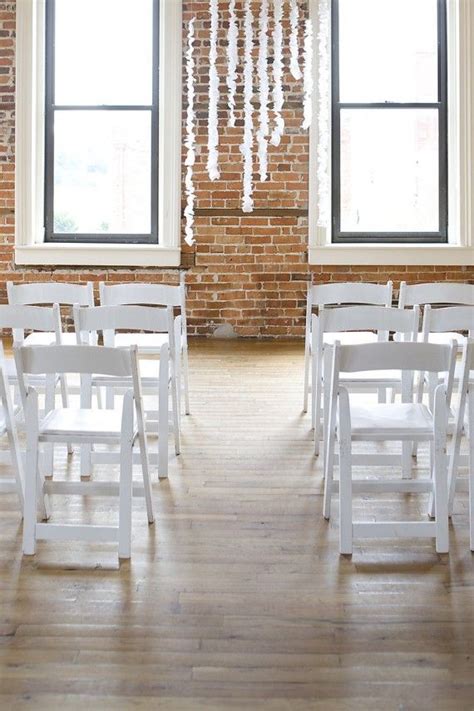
[[65, 400], [316, 405], [185, 370], [125, 486], [471, 467], [306, 375], [174, 407], [144, 461], [163, 422], [31, 475], [345, 476], [440, 474], [329, 445]]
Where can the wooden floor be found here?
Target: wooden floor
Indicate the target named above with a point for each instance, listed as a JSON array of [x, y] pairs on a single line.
[[237, 598]]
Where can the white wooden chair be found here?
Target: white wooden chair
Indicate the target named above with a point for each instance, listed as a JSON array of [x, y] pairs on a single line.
[[155, 295], [8, 428], [84, 426], [466, 404], [346, 293], [375, 321], [405, 421], [37, 320], [155, 376], [48, 294], [436, 293], [439, 324]]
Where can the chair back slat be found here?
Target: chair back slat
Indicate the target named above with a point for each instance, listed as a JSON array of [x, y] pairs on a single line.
[[350, 293], [51, 293], [374, 318], [449, 318], [427, 357], [435, 293], [141, 294], [47, 360], [32, 318], [134, 318]]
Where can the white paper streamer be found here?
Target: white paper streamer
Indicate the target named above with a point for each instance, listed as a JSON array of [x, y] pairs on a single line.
[[232, 61], [213, 135], [190, 139], [294, 63], [264, 127], [277, 73], [323, 114], [308, 74], [247, 144]]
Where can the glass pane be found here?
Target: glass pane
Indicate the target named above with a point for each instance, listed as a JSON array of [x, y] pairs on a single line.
[[388, 50], [102, 172], [104, 52], [389, 170]]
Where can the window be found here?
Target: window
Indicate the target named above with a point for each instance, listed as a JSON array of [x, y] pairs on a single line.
[[389, 160], [98, 139], [101, 168]]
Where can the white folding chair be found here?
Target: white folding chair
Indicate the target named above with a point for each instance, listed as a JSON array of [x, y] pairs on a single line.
[[345, 293], [154, 374], [436, 293], [48, 294], [37, 320], [405, 421], [84, 426], [155, 295], [447, 322], [466, 403], [375, 321], [8, 428]]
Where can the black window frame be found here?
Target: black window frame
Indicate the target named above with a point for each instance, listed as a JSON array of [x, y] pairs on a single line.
[[339, 237], [51, 108]]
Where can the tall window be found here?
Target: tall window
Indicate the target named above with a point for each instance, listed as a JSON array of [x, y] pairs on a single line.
[[101, 120], [389, 121]]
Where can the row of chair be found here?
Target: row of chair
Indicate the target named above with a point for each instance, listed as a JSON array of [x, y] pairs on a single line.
[[46, 358], [349, 350]]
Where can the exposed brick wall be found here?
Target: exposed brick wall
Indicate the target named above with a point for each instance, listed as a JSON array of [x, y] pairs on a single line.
[[247, 270]]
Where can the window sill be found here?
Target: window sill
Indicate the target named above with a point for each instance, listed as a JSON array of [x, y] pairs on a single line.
[[392, 254], [98, 255]]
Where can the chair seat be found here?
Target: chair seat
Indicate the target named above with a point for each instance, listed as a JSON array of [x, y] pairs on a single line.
[[75, 421], [372, 377], [446, 338], [149, 375], [47, 338], [400, 419], [349, 338], [145, 342]]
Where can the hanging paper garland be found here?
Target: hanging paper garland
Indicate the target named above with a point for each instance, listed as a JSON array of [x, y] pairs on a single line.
[[190, 139], [277, 73], [308, 74], [213, 136], [323, 114], [232, 61], [294, 63], [264, 128], [247, 145]]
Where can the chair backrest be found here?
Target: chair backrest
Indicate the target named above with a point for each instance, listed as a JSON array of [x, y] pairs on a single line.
[[449, 318], [51, 293], [425, 357], [83, 360], [142, 294], [109, 319], [382, 319], [347, 293], [435, 293], [30, 318]]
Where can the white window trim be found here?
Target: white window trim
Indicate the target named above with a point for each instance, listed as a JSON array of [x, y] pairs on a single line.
[[29, 184], [460, 248]]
